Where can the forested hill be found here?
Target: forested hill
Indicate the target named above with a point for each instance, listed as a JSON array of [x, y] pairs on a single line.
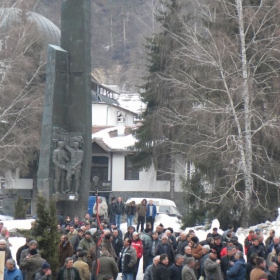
[[118, 30]]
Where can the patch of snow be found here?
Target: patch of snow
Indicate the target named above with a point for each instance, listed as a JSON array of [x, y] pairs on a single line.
[[121, 142]]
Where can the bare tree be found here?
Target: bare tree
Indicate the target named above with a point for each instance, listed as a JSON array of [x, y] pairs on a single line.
[[22, 60], [223, 78]]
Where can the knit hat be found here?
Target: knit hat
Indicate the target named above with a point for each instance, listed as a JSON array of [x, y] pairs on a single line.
[[87, 233], [45, 265], [33, 252]]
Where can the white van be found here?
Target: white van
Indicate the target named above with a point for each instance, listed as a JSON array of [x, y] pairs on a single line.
[[164, 206]]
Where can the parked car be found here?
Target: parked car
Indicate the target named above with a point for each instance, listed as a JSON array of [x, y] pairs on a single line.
[[164, 206], [5, 217]]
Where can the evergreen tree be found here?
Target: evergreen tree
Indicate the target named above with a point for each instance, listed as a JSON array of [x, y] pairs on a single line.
[[45, 232], [20, 209]]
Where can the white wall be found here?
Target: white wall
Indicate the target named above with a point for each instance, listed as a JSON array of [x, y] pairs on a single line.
[[147, 179], [103, 114], [180, 171], [26, 184]]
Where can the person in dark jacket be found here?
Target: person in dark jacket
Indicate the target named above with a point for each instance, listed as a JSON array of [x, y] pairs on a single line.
[[20, 249], [147, 245], [227, 261], [214, 233], [154, 244], [165, 248], [149, 272], [161, 270], [120, 209], [272, 271], [182, 244], [237, 244], [6, 249], [129, 232], [218, 246], [127, 260], [175, 270], [75, 240], [112, 210], [251, 265], [205, 255], [238, 270], [43, 273], [117, 242], [256, 248], [68, 271], [130, 211]]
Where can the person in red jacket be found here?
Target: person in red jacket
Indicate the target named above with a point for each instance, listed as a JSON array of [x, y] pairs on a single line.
[[249, 240], [138, 246]]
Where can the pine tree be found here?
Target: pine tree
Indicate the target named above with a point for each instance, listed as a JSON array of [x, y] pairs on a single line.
[[45, 232], [20, 209]]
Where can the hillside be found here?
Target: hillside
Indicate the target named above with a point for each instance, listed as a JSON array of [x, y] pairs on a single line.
[[118, 31]]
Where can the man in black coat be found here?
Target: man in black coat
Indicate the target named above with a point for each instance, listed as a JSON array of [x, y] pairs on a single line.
[[165, 248], [256, 248], [183, 242], [175, 270], [161, 271], [68, 271], [218, 246], [112, 210], [117, 242], [227, 261]]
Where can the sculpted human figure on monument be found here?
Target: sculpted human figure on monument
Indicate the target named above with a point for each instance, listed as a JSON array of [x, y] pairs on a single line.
[[60, 160], [75, 167]]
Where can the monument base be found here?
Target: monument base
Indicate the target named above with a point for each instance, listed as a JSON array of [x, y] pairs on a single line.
[[66, 196]]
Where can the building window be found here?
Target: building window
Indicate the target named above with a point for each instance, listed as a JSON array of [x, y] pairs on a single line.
[[120, 118], [100, 168], [163, 176], [131, 172]]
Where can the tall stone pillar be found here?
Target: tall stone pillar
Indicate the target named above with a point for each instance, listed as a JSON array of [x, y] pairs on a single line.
[[67, 113]]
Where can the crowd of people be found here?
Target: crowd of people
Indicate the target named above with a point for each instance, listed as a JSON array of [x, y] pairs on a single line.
[[95, 249]]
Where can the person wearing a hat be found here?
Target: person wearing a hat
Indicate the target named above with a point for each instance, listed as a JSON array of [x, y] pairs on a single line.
[[196, 253], [227, 261], [214, 233], [137, 244], [82, 266], [31, 263], [43, 273], [212, 267], [86, 242]]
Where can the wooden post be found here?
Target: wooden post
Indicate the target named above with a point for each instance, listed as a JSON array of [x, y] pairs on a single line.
[[2, 264]]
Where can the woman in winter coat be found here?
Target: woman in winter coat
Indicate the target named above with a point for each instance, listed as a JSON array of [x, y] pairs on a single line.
[[130, 211], [142, 211], [238, 270]]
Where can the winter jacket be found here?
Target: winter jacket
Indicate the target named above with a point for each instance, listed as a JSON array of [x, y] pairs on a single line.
[[237, 271], [117, 245], [138, 246], [20, 249], [106, 245], [14, 274], [85, 244], [149, 272], [64, 252], [31, 264], [175, 272], [154, 212], [91, 256], [119, 208], [257, 274], [188, 273], [271, 276], [107, 266], [75, 240], [225, 265], [202, 273], [181, 246], [130, 210], [82, 268], [247, 243], [154, 246], [141, 210], [129, 261], [212, 269], [197, 254], [166, 249], [259, 250], [61, 272], [102, 209], [161, 272], [40, 275]]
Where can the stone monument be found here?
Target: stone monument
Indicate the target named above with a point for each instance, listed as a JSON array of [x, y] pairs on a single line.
[[65, 154]]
